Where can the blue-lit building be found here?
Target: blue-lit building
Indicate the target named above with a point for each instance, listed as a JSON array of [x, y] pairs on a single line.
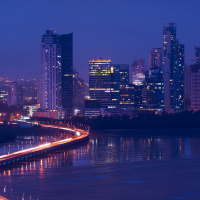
[[197, 54], [66, 43], [154, 88], [56, 72], [123, 81], [173, 65], [50, 72]]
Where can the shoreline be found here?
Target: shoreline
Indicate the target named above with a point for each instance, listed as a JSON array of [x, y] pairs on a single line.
[[8, 134]]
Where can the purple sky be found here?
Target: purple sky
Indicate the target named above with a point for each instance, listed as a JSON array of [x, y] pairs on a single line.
[[122, 30]]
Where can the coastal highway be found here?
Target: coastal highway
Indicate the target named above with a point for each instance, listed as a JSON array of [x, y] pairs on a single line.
[[79, 135]]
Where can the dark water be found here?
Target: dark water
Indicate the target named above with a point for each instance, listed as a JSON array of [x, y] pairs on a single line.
[[118, 146]]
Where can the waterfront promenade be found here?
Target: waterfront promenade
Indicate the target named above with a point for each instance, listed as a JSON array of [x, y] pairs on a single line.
[[77, 136]]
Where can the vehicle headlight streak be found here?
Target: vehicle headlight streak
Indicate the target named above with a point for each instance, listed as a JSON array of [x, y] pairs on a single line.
[[79, 133]]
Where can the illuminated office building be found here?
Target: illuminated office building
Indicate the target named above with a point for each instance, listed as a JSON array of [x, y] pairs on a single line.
[[104, 81], [56, 70], [124, 85], [50, 68], [154, 88], [138, 67], [173, 62], [138, 79]]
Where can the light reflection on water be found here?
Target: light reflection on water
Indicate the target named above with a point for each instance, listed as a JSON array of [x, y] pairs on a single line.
[[108, 149], [100, 149], [25, 142]]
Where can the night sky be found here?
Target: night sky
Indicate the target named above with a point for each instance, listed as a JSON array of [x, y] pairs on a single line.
[[116, 29]]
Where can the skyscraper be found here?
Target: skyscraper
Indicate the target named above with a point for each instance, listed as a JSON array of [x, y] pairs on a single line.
[[104, 84], [66, 42], [124, 85], [154, 88], [173, 62], [50, 71], [56, 64]]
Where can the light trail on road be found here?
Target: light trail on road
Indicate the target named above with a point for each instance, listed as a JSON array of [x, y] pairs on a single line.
[[79, 134]]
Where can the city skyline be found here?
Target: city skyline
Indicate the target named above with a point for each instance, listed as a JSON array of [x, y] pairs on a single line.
[[95, 35]]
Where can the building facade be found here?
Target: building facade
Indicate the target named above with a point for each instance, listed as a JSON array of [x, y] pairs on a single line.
[[154, 88], [104, 81], [50, 71], [138, 67], [155, 58], [15, 95], [78, 92], [56, 70], [173, 65], [195, 86], [197, 54], [66, 43]]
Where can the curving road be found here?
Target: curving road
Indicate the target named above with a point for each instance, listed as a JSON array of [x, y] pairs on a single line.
[[78, 136]]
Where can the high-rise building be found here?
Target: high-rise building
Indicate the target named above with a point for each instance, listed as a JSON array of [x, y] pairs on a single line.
[[187, 87], [138, 67], [197, 54], [56, 64], [124, 84], [15, 95], [173, 62], [115, 89], [155, 58], [38, 91], [66, 42], [50, 67], [154, 88], [195, 86], [78, 92], [180, 61], [135, 94], [104, 81]]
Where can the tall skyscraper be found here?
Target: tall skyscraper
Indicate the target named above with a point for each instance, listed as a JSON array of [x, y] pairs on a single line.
[[173, 62], [66, 42], [56, 64], [50, 71], [104, 84], [124, 85]]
